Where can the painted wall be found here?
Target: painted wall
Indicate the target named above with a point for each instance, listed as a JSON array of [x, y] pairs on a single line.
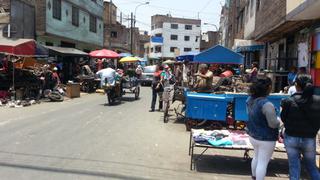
[[180, 43], [64, 27]]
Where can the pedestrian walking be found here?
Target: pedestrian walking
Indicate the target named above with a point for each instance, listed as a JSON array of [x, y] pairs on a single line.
[[262, 127], [301, 117], [157, 89]]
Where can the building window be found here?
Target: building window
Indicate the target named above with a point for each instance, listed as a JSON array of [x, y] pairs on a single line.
[[114, 34], [187, 49], [197, 38], [56, 9], [186, 38], [172, 49], [174, 37], [75, 16], [93, 24], [158, 49], [174, 26], [188, 27]]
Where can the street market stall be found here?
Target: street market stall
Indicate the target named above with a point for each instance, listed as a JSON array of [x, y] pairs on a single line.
[[220, 108], [224, 140], [15, 78]]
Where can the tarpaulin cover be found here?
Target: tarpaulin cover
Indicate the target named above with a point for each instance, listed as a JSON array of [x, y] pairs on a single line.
[[22, 47], [17, 47], [219, 55], [104, 53], [187, 56]]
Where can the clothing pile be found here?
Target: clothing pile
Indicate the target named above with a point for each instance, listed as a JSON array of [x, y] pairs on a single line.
[[222, 138]]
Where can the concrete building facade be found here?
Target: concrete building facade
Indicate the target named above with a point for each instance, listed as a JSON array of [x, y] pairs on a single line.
[[171, 36], [77, 23]]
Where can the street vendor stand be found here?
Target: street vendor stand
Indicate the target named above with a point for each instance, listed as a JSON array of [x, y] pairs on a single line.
[[226, 140], [212, 107], [22, 48]]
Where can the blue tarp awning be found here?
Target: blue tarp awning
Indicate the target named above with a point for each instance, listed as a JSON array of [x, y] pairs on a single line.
[[249, 48], [219, 55], [125, 55], [187, 56]]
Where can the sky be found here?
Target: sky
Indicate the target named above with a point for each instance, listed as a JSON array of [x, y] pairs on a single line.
[[207, 10]]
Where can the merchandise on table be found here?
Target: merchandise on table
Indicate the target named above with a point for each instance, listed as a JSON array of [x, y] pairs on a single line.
[[221, 138]]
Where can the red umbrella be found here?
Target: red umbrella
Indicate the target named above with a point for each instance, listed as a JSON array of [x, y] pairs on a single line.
[[104, 53]]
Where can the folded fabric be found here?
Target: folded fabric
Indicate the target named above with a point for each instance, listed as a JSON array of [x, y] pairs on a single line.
[[221, 142], [200, 139]]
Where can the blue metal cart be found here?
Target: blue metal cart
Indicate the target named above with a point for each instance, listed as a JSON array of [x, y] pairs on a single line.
[[214, 109]]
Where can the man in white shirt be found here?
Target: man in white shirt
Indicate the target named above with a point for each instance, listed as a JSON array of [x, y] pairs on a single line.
[[292, 90], [108, 73]]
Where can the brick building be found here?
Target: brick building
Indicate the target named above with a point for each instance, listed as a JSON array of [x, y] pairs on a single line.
[[209, 39], [118, 35]]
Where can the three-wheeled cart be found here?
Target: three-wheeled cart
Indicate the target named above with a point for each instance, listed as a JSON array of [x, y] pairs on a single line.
[[215, 111]]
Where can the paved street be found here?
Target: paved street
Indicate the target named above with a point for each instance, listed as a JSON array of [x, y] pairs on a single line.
[[83, 139]]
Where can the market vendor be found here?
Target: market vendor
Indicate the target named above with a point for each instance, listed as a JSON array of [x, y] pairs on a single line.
[[55, 76], [228, 72], [204, 79]]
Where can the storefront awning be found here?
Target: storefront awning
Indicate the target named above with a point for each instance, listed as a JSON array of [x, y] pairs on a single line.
[[62, 51], [243, 45]]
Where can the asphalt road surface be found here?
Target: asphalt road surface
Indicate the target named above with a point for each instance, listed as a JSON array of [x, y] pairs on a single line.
[[83, 139]]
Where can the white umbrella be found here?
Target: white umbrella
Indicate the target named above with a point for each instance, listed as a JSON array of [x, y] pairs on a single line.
[[169, 61]]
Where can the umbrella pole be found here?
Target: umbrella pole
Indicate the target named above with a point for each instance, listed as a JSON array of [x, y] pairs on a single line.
[[13, 81]]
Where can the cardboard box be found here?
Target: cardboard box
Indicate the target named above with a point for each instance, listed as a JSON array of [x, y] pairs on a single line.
[[73, 90]]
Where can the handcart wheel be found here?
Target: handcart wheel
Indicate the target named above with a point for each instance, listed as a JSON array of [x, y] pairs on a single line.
[[239, 125], [137, 93]]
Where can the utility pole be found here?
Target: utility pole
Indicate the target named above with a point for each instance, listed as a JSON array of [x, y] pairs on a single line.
[[131, 32], [110, 23]]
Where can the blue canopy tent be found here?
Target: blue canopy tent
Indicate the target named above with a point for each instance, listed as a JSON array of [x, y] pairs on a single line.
[[187, 56], [219, 55]]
